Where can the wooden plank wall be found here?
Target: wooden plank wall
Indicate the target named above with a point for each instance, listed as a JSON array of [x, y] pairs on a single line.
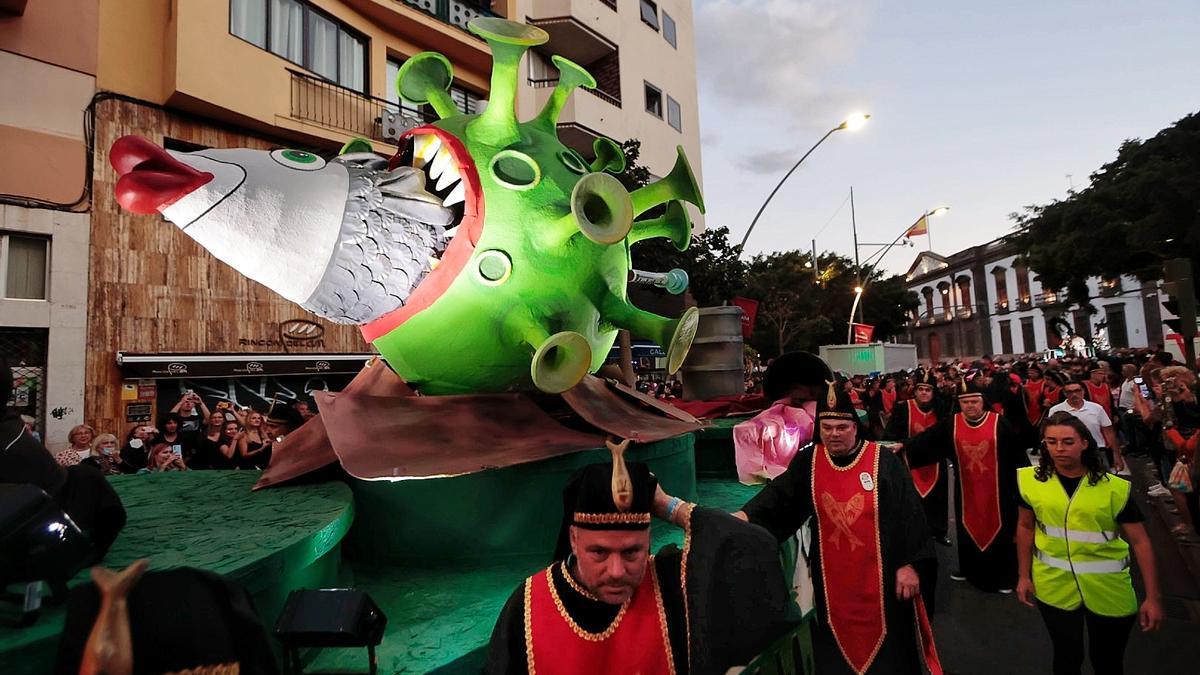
[[152, 289]]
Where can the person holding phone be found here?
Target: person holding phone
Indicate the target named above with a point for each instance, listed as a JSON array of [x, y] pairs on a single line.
[[193, 414], [1075, 528], [180, 444]]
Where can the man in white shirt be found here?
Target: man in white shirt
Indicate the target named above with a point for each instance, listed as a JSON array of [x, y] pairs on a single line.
[[1096, 420]]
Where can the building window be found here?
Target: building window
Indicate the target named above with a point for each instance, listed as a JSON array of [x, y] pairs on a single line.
[[1027, 334], [1083, 323], [303, 35], [23, 266], [1001, 288], [650, 14], [668, 29], [964, 291], [654, 100], [1023, 286], [1118, 333], [928, 293], [674, 114], [1006, 341]]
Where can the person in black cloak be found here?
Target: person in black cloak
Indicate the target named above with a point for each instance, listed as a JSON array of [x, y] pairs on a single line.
[[81, 490], [606, 605], [871, 550], [799, 376], [910, 418], [986, 452]]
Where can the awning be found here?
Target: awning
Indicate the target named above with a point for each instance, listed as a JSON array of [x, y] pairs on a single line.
[[158, 366]]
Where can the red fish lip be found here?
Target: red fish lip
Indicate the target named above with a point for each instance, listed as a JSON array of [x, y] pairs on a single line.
[[150, 178], [458, 253]]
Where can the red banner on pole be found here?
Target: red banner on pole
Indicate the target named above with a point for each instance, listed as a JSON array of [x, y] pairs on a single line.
[[749, 311], [862, 333]]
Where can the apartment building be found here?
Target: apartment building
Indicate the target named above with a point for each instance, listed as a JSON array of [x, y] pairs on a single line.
[[982, 300], [642, 54], [47, 80]]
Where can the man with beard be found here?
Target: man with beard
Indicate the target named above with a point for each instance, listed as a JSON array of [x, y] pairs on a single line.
[[870, 549], [909, 419], [606, 605], [987, 454]]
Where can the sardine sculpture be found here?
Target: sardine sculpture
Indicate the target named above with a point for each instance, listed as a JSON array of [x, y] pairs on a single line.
[[485, 256], [109, 647]]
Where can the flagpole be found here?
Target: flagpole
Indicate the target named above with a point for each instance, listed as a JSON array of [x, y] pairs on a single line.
[[857, 268], [928, 237]]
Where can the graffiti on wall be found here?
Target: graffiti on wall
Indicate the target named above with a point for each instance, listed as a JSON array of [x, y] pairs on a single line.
[[252, 392]]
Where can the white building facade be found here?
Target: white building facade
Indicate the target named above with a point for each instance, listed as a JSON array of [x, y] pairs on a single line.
[[983, 301]]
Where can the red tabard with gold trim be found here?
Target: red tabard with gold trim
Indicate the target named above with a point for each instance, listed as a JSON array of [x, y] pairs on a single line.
[[847, 504], [555, 644], [1034, 409], [979, 476], [925, 477], [1100, 394]]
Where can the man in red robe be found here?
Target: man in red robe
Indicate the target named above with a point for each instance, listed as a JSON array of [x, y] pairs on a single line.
[[870, 551], [607, 605], [1098, 389], [986, 453], [1033, 388], [909, 419]]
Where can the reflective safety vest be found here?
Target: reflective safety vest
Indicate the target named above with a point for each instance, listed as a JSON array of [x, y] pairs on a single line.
[[1078, 556]]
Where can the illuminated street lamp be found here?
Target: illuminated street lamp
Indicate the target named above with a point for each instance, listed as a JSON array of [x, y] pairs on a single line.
[[852, 122]]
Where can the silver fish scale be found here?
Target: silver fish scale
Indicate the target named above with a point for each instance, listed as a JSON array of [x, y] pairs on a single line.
[[381, 254]]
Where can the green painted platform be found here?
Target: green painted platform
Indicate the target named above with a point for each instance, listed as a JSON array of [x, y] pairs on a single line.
[[270, 542], [714, 448]]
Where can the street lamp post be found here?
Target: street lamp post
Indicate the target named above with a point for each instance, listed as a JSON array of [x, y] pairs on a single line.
[[877, 257], [852, 122]]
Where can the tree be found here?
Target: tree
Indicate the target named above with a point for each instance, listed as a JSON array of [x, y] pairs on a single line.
[[1139, 210]]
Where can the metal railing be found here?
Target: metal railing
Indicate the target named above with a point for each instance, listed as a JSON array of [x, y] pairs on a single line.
[[1110, 288], [947, 314], [612, 4], [333, 106], [453, 12], [552, 81], [1049, 299]]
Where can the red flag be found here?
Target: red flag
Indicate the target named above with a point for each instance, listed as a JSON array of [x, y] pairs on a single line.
[[863, 333], [749, 311], [921, 227]]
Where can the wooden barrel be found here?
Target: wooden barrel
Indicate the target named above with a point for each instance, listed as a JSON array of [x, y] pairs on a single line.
[[714, 366]]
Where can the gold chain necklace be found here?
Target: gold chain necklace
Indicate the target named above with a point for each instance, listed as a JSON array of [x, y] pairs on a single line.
[[586, 635], [575, 585]]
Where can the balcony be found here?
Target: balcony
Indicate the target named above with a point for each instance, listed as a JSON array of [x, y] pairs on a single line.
[[1110, 288], [1002, 307], [335, 107], [583, 118], [454, 12], [948, 314], [552, 82], [1049, 299], [577, 29]]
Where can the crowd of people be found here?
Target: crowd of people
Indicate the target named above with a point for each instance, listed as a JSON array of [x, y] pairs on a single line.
[[189, 436]]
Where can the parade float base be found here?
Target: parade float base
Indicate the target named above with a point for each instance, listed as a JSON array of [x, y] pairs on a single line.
[[269, 542], [714, 447], [440, 619]]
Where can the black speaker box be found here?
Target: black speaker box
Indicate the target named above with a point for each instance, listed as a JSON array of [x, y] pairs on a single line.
[[330, 617]]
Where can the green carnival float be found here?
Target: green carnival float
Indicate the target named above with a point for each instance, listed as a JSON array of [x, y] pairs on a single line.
[[485, 256]]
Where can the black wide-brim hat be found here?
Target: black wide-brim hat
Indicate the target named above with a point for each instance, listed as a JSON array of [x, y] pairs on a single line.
[[794, 368]]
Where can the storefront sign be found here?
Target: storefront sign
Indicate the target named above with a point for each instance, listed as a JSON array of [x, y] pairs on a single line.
[[295, 333], [136, 413], [178, 366]]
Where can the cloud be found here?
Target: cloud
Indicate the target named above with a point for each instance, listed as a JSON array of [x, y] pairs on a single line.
[[768, 161], [776, 53]]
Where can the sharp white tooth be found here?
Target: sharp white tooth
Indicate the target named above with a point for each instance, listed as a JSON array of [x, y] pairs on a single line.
[[456, 196], [425, 148], [448, 178], [450, 232], [440, 162], [434, 262]]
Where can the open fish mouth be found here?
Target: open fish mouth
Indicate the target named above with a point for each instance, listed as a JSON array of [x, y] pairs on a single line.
[[450, 175], [150, 179]]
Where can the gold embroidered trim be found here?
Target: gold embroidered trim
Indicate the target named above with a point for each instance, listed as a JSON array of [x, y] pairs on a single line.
[[996, 476], [613, 518], [878, 552], [586, 635], [529, 623], [858, 447], [566, 572], [687, 547], [662, 620], [216, 669]]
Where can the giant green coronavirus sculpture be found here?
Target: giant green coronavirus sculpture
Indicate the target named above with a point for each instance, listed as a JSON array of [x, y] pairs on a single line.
[[484, 256]]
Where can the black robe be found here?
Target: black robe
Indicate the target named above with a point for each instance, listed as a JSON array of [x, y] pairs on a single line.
[[786, 502], [937, 502], [738, 601], [996, 567]]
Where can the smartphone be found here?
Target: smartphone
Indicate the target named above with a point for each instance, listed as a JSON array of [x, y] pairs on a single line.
[[1141, 384], [177, 449], [224, 405]]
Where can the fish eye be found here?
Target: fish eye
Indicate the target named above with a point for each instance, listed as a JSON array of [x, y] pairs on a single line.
[[298, 159]]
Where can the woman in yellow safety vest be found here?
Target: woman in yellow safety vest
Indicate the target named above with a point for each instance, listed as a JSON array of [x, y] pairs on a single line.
[[1071, 555]]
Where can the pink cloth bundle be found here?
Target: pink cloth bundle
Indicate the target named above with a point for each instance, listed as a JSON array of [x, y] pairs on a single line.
[[765, 445]]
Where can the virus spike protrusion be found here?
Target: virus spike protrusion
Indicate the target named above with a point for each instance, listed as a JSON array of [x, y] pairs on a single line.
[[601, 208], [425, 80], [609, 156], [674, 225], [559, 361], [570, 76], [679, 184], [508, 40], [675, 334], [356, 145]]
